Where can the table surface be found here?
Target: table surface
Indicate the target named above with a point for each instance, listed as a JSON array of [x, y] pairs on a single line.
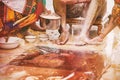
[[7, 55]]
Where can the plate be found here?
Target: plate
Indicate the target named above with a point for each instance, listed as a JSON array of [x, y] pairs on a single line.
[[12, 42]]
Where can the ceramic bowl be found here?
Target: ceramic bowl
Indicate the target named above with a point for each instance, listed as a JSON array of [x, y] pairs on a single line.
[[30, 38], [43, 37], [13, 42], [50, 16]]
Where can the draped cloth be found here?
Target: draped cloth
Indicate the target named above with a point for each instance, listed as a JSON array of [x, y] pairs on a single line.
[[24, 6], [13, 17], [117, 1], [16, 5], [1, 14], [116, 12]]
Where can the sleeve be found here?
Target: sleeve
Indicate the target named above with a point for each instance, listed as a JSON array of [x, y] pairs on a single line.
[[40, 7]]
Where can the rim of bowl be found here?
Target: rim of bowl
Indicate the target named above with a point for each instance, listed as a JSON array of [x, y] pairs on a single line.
[[30, 37], [6, 43], [43, 36], [15, 41]]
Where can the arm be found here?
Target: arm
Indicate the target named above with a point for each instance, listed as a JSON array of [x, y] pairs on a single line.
[[74, 1], [113, 22], [108, 29], [90, 15]]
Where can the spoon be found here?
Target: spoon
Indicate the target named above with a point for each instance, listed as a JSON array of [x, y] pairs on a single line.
[[6, 39]]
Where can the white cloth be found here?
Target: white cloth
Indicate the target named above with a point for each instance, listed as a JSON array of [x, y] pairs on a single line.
[[49, 5], [16, 5], [52, 34]]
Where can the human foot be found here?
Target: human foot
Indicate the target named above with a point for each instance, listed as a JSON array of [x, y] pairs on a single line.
[[95, 41], [64, 37]]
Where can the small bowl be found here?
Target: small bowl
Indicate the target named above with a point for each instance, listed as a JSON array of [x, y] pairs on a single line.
[[43, 37], [50, 16], [13, 42], [30, 38]]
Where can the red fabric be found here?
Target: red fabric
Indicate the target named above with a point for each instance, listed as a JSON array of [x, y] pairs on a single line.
[[117, 1], [84, 1], [40, 8], [1, 10]]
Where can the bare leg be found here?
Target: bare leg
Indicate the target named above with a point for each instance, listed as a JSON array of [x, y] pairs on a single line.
[[65, 31], [60, 9], [89, 20], [63, 38]]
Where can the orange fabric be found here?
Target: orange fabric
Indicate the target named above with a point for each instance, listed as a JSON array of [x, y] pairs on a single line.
[[1, 24], [6, 23], [32, 18], [10, 15]]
